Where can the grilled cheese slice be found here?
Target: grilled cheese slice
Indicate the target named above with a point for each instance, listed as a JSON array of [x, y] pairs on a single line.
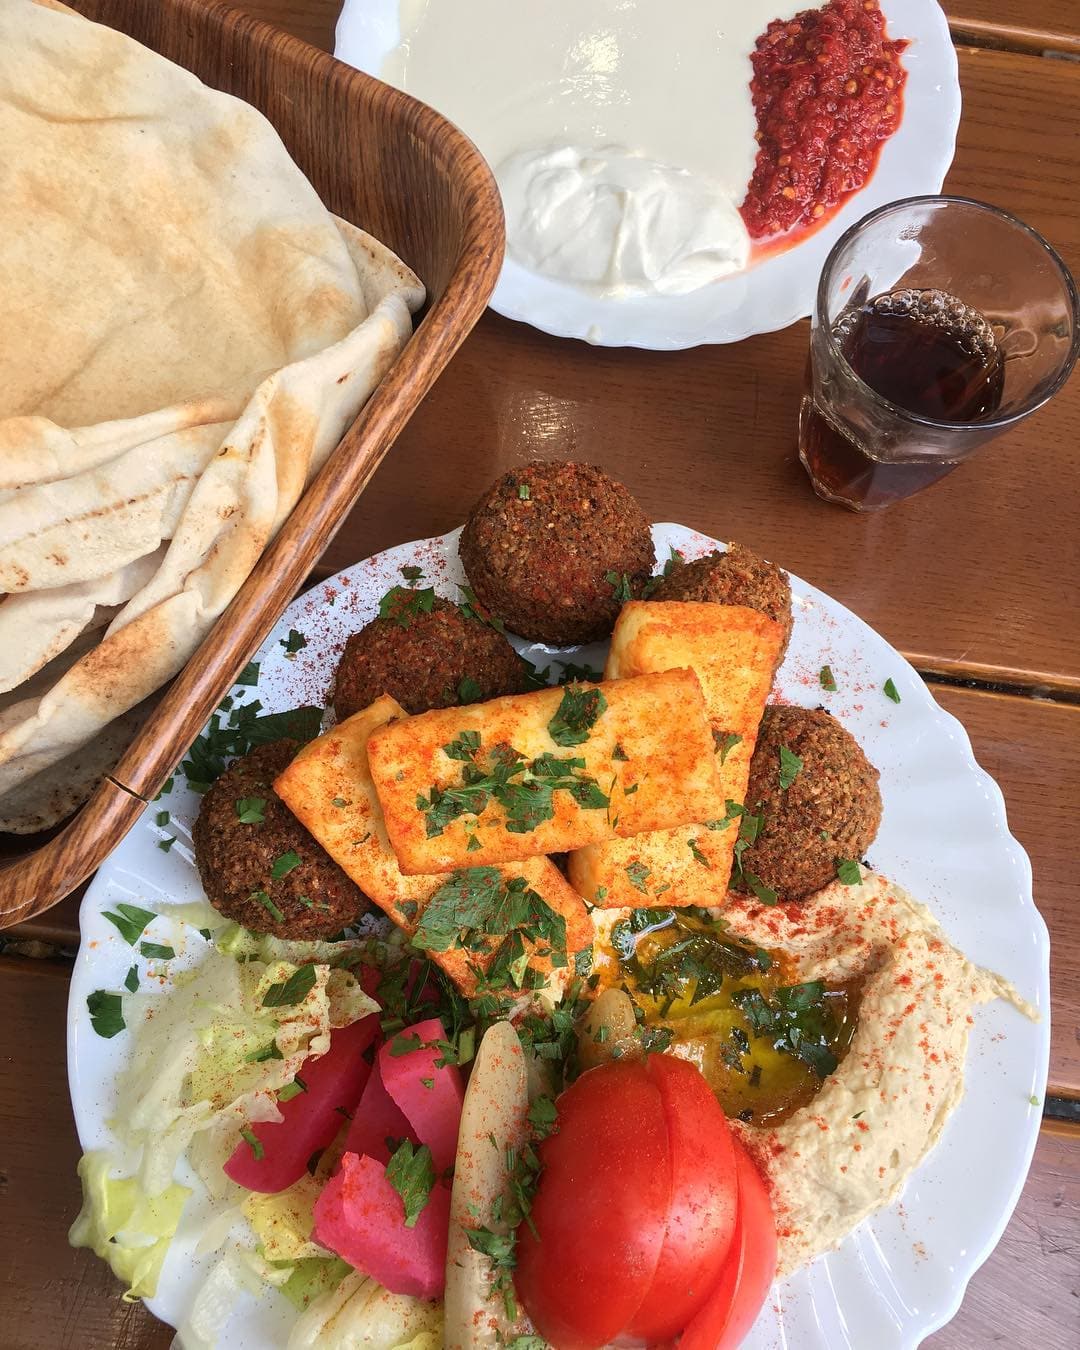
[[328, 788], [734, 651], [544, 772]]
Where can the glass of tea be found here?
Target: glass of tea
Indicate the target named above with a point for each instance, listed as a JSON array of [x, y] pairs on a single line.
[[939, 323]]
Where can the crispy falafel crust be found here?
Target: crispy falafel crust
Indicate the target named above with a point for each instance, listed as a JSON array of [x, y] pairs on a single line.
[[738, 576], [235, 859], [834, 794], [539, 544], [422, 664]]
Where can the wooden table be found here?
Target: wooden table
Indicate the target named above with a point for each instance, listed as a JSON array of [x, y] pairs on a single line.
[[974, 581]]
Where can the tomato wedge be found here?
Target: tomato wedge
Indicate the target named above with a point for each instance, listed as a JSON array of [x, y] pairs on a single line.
[[704, 1197], [735, 1301], [600, 1210]]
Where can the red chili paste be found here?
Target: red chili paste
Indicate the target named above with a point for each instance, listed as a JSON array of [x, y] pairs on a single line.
[[827, 90]]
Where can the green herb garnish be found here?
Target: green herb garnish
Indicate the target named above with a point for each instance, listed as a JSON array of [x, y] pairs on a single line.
[[790, 767], [295, 642], [155, 951], [131, 980], [106, 1013], [725, 743], [249, 810], [291, 1090], [847, 869], [130, 921], [469, 691], [890, 691], [254, 1143], [287, 993], [828, 683], [412, 1174], [637, 874], [577, 715], [285, 864], [620, 584], [249, 676]]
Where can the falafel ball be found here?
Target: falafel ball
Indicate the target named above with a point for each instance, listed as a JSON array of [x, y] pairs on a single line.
[[238, 849], [830, 811], [553, 549], [737, 577], [429, 659]]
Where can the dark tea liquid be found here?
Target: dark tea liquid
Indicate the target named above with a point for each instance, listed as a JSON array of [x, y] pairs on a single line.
[[924, 351]]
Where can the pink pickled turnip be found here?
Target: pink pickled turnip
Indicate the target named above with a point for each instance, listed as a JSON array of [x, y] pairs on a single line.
[[360, 1216], [376, 1119], [311, 1119], [429, 1097]]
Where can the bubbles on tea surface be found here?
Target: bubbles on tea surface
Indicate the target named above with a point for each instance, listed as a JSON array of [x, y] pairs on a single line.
[[964, 325]]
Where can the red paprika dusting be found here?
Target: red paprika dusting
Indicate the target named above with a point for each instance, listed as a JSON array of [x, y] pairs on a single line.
[[827, 90]]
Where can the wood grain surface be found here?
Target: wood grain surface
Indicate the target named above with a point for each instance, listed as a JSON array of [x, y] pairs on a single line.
[[975, 577], [54, 1298]]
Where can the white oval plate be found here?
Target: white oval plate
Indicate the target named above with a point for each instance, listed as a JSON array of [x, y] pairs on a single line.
[[771, 294], [944, 836]]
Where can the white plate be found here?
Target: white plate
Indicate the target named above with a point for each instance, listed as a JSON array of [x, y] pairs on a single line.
[[944, 836], [775, 292]]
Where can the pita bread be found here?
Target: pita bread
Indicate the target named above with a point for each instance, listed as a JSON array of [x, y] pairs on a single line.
[[196, 332]]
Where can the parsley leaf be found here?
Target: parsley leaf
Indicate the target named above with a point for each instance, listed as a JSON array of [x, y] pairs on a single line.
[[699, 857], [764, 893], [469, 691], [724, 744], [254, 1143], [847, 869], [790, 767], [464, 746], [249, 676], [106, 1013], [154, 951], [411, 1172], [411, 573], [291, 1090], [130, 921], [890, 691], [523, 491], [403, 605], [250, 810], [287, 993], [620, 584], [287, 863], [261, 898], [828, 682], [637, 873], [577, 715], [543, 1117], [131, 980], [295, 642]]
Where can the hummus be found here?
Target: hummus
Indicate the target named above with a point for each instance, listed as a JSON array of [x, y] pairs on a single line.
[[850, 1150]]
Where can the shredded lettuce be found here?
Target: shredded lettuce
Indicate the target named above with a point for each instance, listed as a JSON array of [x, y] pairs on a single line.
[[195, 1075], [360, 1312], [123, 1225], [283, 1222], [310, 1278]]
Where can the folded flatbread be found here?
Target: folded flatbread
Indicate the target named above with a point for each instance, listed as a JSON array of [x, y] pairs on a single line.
[[188, 333]]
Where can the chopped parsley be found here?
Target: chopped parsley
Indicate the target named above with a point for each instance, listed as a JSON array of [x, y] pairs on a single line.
[[211, 752], [411, 1172], [577, 714], [695, 964], [161, 819], [464, 746], [543, 1117], [523, 491], [796, 1020], [573, 673], [828, 682], [725, 743], [268, 1051], [637, 874], [339, 802], [764, 893], [130, 921], [261, 898], [106, 1013], [295, 642], [155, 951], [287, 993], [411, 572], [890, 691], [790, 767], [285, 864], [698, 856], [619, 753], [131, 980], [166, 843], [249, 676], [249, 810], [620, 585], [847, 869], [469, 691], [403, 604], [291, 1090], [253, 1142]]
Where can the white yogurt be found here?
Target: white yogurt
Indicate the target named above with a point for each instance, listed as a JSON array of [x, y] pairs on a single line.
[[621, 131]]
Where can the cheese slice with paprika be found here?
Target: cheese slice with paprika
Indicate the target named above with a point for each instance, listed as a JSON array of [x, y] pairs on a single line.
[[734, 651], [544, 772], [328, 788]]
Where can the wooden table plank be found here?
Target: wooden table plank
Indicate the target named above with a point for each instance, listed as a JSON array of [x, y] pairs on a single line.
[[66, 1300]]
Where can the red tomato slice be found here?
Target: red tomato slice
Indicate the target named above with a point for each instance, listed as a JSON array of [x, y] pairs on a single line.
[[704, 1200], [600, 1209], [738, 1295], [310, 1120]]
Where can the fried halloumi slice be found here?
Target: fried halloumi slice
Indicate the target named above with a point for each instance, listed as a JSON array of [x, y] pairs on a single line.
[[734, 652], [328, 788], [544, 772]]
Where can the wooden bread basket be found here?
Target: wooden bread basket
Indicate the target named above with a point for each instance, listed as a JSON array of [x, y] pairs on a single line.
[[400, 171]]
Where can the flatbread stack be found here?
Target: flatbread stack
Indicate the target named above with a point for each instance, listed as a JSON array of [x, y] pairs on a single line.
[[188, 332]]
